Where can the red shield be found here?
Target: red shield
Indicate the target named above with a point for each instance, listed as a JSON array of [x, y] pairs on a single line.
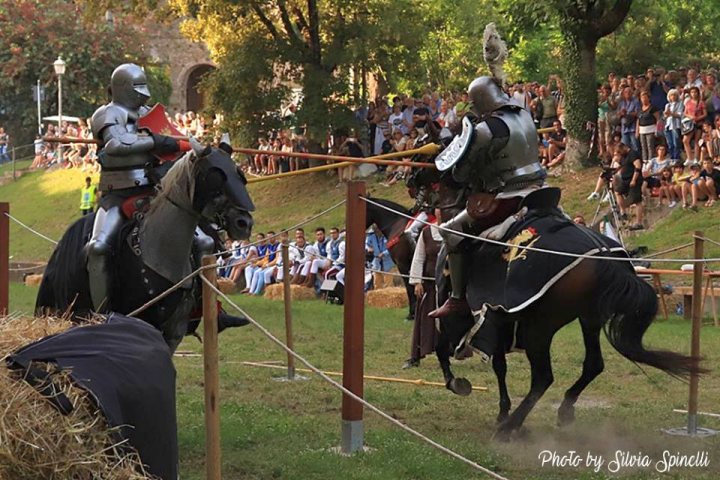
[[157, 121]]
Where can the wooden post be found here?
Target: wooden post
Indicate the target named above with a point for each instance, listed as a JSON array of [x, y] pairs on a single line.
[[13, 163], [696, 325], [212, 376], [4, 258], [354, 318], [288, 308]]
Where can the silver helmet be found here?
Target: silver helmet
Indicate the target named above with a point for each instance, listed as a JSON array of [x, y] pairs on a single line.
[[487, 96], [128, 85]]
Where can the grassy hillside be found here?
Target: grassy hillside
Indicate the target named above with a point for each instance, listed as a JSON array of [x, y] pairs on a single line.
[[49, 201], [275, 430]]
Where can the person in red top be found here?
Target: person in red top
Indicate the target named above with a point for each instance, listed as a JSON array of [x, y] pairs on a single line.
[[694, 112]]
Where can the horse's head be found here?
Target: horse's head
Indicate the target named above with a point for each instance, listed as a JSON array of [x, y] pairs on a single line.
[[220, 193]]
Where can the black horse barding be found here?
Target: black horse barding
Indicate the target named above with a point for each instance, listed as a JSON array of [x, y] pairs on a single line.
[[531, 295], [401, 251], [155, 252]]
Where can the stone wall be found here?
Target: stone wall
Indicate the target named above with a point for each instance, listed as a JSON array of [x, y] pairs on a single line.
[[168, 46]]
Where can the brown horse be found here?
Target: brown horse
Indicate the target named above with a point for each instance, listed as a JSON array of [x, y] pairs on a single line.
[[402, 247]]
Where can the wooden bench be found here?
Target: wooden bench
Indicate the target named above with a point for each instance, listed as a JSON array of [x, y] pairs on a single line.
[[687, 293]]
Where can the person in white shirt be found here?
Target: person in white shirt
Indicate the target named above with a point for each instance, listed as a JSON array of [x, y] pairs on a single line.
[[320, 258]]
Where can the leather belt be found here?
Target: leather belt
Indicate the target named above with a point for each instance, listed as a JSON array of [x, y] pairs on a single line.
[[122, 179]]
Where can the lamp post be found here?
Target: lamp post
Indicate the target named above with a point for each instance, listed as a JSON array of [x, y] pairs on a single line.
[[59, 66]]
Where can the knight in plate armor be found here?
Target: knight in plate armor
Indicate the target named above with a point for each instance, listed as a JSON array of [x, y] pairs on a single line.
[[125, 156], [495, 159]]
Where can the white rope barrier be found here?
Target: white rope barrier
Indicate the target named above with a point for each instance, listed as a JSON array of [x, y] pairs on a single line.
[[30, 229], [348, 392], [543, 250]]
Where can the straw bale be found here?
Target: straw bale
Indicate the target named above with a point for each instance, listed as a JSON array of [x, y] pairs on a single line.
[[33, 280], [226, 286], [391, 297], [297, 292], [38, 442]]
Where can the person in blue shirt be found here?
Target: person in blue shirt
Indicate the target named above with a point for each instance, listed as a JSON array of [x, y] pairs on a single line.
[[376, 244], [628, 110]]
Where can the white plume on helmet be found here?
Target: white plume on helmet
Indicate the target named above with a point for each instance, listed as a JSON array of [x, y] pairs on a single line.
[[495, 53]]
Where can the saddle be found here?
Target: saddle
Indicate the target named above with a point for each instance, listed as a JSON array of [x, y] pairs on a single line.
[[488, 209]]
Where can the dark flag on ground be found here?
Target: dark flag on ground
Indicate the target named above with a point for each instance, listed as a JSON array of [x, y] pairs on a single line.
[[127, 367]]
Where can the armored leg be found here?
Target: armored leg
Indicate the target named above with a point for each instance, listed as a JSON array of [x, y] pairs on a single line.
[[205, 245], [99, 255], [484, 336], [456, 303]]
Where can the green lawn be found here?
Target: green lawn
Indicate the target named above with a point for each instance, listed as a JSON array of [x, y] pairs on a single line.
[[280, 430]]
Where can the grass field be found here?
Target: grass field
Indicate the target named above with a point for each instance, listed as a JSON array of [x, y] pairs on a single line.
[[280, 430], [274, 430]]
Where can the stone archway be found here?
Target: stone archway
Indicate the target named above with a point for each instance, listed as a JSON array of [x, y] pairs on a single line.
[[194, 97]]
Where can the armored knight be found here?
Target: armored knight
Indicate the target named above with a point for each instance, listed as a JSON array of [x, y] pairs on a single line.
[[125, 157], [496, 159]]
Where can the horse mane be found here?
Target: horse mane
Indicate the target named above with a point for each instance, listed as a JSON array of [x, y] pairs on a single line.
[[178, 184], [391, 204]]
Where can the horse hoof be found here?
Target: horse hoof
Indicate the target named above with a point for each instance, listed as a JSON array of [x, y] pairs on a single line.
[[502, 416], [566, 416], [460, 386], [501, 435]]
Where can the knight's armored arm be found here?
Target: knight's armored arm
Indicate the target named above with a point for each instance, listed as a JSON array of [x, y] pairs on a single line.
[[119, 142]]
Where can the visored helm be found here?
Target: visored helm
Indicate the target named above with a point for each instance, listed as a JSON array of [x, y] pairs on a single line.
[[486, 96], [128, 84]]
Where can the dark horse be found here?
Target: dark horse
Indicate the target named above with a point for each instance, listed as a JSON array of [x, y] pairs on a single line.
[[602, 294], [401, 251], [154, 251]]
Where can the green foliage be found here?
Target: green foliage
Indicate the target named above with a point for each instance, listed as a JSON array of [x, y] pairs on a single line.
[[32, 35], [669, 34], [159, 83]]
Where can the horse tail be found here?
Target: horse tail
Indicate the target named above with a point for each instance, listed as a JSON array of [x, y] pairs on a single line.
[[630, 305], [65, 282]]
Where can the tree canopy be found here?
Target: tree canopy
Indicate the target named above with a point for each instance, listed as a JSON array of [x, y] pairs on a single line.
[[33, 34]]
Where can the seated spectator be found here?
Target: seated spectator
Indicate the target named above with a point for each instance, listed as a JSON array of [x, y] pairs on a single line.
[[712, 181], [667, 187], [320, 260], [300, 259], [243, 256], [652, 169], [376, 245], [257, 262], [337, 253], [263, 275], [696, 188], [557, 141]]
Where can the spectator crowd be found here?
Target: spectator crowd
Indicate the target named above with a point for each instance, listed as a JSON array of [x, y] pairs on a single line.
[[253, 266]]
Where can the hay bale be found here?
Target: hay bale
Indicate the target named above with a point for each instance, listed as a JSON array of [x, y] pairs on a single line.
[[226, 286], [33, 280], [297, 292], [37, 441], [391, 297]]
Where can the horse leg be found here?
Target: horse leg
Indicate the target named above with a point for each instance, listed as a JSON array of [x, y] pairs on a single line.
[[541, 377], [592, 367], [443, 351], [499, 364]]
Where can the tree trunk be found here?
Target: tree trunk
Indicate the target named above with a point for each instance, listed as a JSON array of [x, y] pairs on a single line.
[[580, 99], [316, 83]]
